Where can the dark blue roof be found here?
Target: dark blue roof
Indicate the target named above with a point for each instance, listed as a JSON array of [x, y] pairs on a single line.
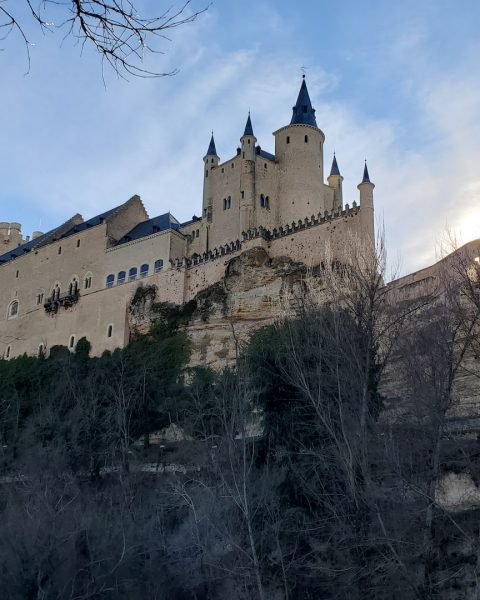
[[90, 223], [303, 112], [366, 177], [212, 151], [248, 127], [265, 154], [334, 170], [24, 248], [161, 223]]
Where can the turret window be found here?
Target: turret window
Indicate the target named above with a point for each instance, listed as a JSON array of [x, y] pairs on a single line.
[[59, 249], [306, 139], [71, 343], [227, 203], [288, 139], [109, 331], [78, 243], [13, 309], [7, 353], [40, 297], [87, 282], [264, 201]]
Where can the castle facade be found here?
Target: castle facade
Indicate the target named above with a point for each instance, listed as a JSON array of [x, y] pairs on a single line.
[[78, 279]]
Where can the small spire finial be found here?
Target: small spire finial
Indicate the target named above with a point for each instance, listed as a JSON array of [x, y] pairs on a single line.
[[366, 176], [212, 151], [334, 170], [248, 126]]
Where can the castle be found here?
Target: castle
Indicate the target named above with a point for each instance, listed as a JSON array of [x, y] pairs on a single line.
[[77, 279]]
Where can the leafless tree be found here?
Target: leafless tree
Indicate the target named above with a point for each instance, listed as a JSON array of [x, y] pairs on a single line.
[[115, 28]]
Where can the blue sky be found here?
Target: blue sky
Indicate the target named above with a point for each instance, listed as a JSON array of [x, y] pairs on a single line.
[[396, 83]]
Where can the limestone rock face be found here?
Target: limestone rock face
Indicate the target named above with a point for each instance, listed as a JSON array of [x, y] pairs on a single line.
[[256, 290]]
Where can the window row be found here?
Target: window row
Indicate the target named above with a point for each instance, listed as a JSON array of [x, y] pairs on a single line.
[[264, 201], [133, 273], [305, 139], [71, 343]]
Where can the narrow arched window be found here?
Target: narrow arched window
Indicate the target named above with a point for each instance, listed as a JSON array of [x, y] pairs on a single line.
[[59, 249], [41, 350], [132, 274], [7, 353], [109, 331], [288, 139], [229, 202], [262, 201], [306, 139], [144, 270], [110, 280], [121, 277], [13, 309], [158, 265], [78, 243], [71, 343], [87, 282]]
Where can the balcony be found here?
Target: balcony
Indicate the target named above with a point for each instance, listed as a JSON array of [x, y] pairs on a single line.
[[67, 300]]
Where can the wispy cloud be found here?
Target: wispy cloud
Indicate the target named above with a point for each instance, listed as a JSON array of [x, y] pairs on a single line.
[[71, 145]]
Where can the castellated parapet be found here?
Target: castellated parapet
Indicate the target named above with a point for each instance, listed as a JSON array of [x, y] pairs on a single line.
[[11, 236], [78, 279]]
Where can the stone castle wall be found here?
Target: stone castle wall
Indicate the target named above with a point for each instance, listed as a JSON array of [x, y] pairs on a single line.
[[100, 314]]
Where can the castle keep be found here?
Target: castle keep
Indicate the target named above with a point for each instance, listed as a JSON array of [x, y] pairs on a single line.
[[77, 280]]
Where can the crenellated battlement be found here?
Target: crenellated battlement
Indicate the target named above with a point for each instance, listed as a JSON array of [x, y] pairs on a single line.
[[265, 234]]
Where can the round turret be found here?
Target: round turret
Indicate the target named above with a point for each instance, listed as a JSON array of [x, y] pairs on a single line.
[[366, 188], [210, 160], [299, 154]]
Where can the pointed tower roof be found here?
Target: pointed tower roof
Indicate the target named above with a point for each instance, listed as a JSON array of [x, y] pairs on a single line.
[[211, 148], [366, 177], [248, 126], [334, 170], [303, 112]]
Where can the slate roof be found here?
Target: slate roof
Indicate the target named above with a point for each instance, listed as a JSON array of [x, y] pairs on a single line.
[[212, 151], [366, 176], [248, 127], [24, 248], [303, 112], [334, 170], [265, 154], [160, 223]]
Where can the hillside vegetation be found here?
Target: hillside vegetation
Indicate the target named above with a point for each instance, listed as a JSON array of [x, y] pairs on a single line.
[[292, 482]]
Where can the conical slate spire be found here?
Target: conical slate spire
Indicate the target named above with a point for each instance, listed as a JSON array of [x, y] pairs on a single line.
[[303, 112], [366, 177], [334, 170], [248, 127], [211, 148]]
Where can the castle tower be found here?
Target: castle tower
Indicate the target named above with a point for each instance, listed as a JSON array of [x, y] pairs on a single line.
[[210, 160], [247, 178], [335, 182], [299, 155], [366, 205]]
